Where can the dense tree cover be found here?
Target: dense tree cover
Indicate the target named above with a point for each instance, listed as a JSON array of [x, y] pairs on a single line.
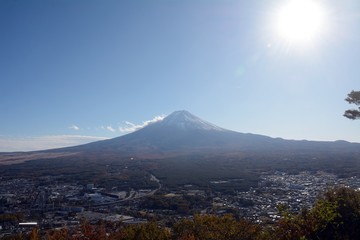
[[353, 98], [10, 217], [216, 228], [241, 171], [335, 216]]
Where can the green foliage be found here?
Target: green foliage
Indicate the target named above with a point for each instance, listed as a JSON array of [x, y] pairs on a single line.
[[109, 231], [353, 98], [10, 217], [34, 234], [216, 228], [149, 231], [62, 234], [335, 216]]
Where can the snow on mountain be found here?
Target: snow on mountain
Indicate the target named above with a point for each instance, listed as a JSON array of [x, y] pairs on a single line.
[[185, 120]]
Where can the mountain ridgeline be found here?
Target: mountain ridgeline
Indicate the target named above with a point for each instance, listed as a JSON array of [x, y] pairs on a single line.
[[183, 133]]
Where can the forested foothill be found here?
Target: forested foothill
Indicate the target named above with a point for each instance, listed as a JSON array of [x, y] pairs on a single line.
[[175, 172]]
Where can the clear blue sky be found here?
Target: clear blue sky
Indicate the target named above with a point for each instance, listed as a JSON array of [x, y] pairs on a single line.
[[74, 71]]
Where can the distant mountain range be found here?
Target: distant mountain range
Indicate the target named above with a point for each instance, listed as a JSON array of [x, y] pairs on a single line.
[[182, 133]]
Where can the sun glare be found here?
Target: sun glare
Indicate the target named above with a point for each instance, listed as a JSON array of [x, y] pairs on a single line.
[[300, 21]]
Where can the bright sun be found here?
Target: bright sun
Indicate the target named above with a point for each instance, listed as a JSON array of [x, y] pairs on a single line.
[[300, 21]]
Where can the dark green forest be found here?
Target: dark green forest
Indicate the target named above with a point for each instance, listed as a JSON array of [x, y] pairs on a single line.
[[175, 172]]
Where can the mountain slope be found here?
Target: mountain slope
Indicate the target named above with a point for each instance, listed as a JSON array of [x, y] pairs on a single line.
[[182, 132]]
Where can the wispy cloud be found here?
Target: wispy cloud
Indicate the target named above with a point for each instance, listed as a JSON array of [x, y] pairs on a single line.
[[131, 127], [11, 144], [108, 128], [74, 127]]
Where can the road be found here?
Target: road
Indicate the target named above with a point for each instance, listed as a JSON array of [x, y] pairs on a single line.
[[134, 194]]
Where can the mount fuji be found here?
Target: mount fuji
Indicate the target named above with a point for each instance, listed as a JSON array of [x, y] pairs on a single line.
[[182, 132]]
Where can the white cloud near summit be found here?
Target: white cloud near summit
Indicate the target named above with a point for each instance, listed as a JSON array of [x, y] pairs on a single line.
[[110, 128], [131, 127]]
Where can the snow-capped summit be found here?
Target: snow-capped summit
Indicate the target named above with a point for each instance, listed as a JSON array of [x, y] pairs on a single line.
[[185, 120]]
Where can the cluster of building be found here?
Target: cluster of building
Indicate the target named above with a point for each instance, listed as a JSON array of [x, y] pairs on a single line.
[[51, 204], [281, 190]]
